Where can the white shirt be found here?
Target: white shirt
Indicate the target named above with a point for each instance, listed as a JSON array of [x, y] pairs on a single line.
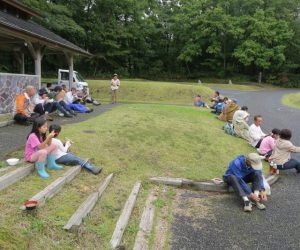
[[115, 84], [69, 98], [255, 134], [61, 149]]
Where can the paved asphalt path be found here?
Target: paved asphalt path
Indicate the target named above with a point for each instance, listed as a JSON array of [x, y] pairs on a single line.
[[14, 137], [214, 221]]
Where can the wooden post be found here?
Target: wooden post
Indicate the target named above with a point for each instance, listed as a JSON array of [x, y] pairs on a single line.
[[146, 223], [37, 53], [259, 77], [87, 206], [14, 176], [22, 64], [124, 217], [54, 187], [70, 61]]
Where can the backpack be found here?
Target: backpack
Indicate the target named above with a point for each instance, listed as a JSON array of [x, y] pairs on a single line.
[[228, 128]]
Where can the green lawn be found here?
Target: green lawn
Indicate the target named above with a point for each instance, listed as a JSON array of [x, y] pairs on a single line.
[[292, 100], [135, 142], [141, 91]]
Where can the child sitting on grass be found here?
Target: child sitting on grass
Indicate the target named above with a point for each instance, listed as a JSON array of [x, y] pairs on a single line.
[[198, 101], [62, 155], [40, 148]]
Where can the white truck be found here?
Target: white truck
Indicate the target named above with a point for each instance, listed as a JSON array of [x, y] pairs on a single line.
[[78, 81]]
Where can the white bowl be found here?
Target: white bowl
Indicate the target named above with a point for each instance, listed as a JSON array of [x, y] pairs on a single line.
[[12, 161]]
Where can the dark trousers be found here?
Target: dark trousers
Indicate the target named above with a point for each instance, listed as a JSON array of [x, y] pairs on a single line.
[[292, 163], [24, 120], [233, 181], [72, 160], [258, 144], [51, 107]]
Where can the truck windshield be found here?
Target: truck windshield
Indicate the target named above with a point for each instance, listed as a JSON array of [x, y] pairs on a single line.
[[80, 78]]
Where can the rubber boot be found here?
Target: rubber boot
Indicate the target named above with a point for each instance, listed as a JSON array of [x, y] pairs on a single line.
[[41, 170], [94, 170], [52, 164]]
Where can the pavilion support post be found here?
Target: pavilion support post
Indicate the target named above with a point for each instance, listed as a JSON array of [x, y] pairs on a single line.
[[20, 58], [70, 60], [37, 52], [38, 64], [22, 64]]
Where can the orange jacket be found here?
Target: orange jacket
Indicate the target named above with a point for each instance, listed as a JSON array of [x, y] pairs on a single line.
[[22, 104]]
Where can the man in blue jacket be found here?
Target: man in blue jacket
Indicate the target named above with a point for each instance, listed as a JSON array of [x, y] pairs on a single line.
[[243, 170]]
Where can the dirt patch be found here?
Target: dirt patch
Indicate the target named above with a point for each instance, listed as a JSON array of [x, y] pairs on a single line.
[[162, 225], [194, 205], [89, 131]]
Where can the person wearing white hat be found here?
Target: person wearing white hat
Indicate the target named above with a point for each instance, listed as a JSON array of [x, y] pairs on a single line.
[[239, 121], [243, 170]]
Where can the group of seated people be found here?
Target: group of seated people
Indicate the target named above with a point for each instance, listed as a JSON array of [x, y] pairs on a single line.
[[32, 104], [48, 151], [274, 147]]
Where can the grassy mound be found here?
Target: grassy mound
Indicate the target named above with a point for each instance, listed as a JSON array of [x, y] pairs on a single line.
[[141, 91], [292, 100], [135, 142]]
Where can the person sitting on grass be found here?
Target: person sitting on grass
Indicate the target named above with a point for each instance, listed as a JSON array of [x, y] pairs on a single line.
[[215, 99], [85, 97], [39, 148], [281, 155], [243, 170], [243, 111], [256, 135], [71, 99], [219, 108], [63, 157], [240, 125], [230, 108], [198, 101], [268, 143]]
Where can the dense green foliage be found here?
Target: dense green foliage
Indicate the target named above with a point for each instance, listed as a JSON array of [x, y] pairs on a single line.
[[180, 38]]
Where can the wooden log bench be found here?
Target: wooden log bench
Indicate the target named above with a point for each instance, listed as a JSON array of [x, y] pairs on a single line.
[[124, 217], [87, 206], [54, 187]]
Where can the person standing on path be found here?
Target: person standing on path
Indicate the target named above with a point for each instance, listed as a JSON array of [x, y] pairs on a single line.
[[243, 170], [115, 84]]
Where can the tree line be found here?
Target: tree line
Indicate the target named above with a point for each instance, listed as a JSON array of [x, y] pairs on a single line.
[[179, 39]]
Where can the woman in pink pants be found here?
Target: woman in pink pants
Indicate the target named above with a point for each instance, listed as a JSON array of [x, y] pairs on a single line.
[[39, 148]]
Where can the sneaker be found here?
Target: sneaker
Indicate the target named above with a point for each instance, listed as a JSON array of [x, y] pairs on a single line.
[[60, 114], [89, 110], [96, 171], [247, 206], [96, 103], [73, 113], [259, 205], [68, 115]]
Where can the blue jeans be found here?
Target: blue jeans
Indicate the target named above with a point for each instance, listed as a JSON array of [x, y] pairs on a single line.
[[72, 160], [78, 107], [292, 163], [65, 106]]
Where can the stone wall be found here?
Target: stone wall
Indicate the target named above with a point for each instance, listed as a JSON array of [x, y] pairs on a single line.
[[10, 86]]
